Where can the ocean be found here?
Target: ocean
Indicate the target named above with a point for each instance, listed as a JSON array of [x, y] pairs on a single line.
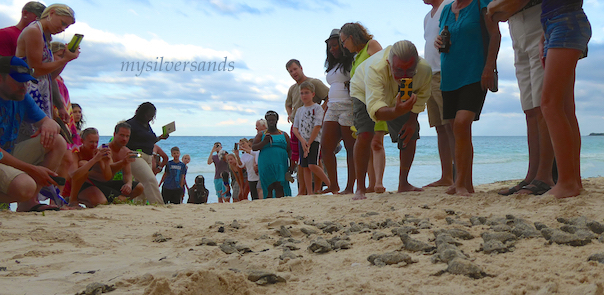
[[496, 158]]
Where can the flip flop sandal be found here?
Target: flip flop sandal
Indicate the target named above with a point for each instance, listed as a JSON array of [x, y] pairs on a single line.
[[512, 190], [537, 187]]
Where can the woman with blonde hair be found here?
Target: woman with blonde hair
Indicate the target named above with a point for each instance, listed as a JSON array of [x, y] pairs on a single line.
[[33, 46]]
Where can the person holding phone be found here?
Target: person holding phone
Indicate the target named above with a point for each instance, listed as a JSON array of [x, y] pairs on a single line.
[[33, 45], [220, 165]]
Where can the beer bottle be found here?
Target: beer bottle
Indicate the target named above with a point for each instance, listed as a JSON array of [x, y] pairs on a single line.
[[446, 40]]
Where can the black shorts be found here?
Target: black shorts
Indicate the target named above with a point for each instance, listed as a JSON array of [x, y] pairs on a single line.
[[172, 195], [395, 126], [111, 189], [313, 154], [468, 98]]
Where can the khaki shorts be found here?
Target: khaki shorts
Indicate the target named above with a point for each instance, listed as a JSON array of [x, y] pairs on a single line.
[[435, 103], [29, 151]]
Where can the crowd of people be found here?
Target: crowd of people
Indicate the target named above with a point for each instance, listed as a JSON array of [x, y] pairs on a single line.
[[373, 91]]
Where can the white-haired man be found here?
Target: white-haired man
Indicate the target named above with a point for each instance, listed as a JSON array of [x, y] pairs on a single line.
[[375, 92]]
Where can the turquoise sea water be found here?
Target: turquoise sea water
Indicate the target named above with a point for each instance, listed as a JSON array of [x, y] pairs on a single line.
[[495, 158]]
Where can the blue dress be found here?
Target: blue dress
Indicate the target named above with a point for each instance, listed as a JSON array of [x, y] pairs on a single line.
[[273, 163]]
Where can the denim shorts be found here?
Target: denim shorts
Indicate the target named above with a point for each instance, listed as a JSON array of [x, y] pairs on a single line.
[[568, 30]]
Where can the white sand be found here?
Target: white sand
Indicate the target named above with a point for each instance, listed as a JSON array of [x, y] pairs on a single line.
[[42, 252]]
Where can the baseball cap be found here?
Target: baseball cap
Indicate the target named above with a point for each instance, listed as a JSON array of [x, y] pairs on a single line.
[[16, 68], [335, 33]]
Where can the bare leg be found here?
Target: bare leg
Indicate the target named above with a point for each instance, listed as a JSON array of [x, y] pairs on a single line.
[[349, 146], [446, 156], [302, 188], [370, 173], [558, 108], [362, 151], [307, 180], [92, 197], [464, 152], [406, 156], [379, 160], [318, 172], [329, 140]]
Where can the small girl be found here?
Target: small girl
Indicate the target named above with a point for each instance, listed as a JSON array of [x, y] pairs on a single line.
[[185, 159], [226, 188]]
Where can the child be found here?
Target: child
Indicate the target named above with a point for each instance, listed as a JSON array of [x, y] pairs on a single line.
[[173, 179], [225, 193], [307, 128], [185, 159], [198, 193]]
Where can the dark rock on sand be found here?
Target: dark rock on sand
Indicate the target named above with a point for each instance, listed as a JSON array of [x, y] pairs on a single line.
[[450, 211], [230, 246], [599, 257], [390, 259], [414, 245], [525, 230], [319, 245], [235, 224], [332, 228], [355, 227], [261, 277], [291, 246], [342, 244], [564, 238], [571, 229], [601, 239]]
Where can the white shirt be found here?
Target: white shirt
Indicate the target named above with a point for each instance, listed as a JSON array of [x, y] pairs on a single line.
[[337, 89], [248, 162], [431, 30]]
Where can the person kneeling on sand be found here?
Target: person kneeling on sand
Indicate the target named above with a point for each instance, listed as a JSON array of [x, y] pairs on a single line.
[[30, 165], [93, 183]]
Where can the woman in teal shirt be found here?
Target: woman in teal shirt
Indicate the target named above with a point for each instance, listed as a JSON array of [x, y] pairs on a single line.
[[466, 75]]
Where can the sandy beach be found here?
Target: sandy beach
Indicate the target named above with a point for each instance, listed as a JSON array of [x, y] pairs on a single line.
[[169, 250]]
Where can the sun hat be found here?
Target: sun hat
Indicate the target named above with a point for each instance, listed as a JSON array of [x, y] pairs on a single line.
[[335, 33]]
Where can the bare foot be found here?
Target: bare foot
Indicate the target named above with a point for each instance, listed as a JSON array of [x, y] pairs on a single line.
[[346, 191], [409, 188], [564, 192], [440, 182], [333, 190], [462, 191], [380, 189], [359, 196], [370, 190], [451, 190]]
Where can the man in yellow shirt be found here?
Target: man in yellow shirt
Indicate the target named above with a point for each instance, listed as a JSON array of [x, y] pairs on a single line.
[[374, 89]]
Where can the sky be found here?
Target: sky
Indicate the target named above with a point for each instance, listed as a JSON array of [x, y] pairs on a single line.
[[235, 53]]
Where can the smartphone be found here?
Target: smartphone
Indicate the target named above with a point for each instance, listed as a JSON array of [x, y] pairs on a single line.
[[236, 146], [104, 145], [75, 42], [405, 88], [58, 179], [136, 155]]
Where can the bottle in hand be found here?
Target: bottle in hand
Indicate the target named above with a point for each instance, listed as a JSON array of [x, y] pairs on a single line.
[[446, 40]]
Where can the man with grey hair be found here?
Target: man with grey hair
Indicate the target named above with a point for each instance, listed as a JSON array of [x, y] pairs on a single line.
[[9, 35], [375, 92]]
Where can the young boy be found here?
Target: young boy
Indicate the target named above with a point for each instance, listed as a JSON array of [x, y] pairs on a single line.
[[307, 128], [173, 179]]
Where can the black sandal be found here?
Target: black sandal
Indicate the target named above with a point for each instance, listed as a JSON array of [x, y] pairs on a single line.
[[537, 187], [512, 190]]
